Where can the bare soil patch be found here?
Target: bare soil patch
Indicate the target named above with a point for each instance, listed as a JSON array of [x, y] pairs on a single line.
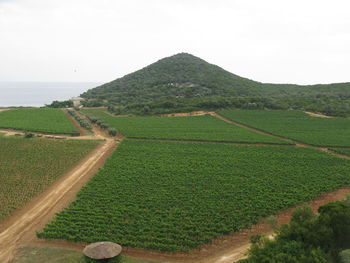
[[19, 229], [11, 132], [183, 114], [319, 115]]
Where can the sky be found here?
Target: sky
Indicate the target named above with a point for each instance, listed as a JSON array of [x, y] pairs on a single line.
[[276, 41]]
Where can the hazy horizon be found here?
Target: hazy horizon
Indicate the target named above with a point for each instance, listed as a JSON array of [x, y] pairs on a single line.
[[299, 42], [37, 94]]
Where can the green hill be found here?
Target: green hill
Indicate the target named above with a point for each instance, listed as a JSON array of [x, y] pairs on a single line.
[[186, 76]]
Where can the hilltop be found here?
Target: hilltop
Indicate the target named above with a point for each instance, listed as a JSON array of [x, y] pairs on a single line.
[[186, 76]]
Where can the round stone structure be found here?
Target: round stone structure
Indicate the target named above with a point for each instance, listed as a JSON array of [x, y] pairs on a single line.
[[102, 250]]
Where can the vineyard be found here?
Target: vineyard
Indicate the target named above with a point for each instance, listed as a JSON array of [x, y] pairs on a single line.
[[172, 196], [44, 120], [206, 128], [296, 125], [82, 122], [28, 166]]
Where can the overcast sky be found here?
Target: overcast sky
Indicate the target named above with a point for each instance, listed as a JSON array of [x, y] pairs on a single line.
[[281, 41]]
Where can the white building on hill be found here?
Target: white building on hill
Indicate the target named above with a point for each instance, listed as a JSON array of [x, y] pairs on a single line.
[[76, 101]]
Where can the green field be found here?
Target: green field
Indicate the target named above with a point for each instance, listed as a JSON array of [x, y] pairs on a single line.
[[296, 125], [37, 120], [205, 128], [28, 166], [174, 196], [345, 151]]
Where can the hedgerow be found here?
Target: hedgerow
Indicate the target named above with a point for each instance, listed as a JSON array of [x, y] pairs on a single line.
[[82, 122]]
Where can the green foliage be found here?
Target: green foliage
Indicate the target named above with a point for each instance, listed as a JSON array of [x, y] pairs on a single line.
[[184, 76], [28, 135], [332, 106], [37, 120], [29, 166], [61, 104], [296, 125], [82, 122], [174, 196], [181, 128], [308, 238], [112, 132]]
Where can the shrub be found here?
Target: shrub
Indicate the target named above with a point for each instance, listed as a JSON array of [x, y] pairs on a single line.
[[112, 132], [28, 135]]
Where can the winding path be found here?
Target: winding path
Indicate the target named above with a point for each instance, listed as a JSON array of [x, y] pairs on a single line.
[[21, 229]]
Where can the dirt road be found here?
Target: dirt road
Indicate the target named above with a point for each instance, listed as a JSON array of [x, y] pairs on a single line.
[[313, 114], [226, 249], [22, 228], [297, 143]]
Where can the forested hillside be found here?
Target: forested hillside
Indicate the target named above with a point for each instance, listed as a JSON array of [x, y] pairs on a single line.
[[187, 76], [184, 82]]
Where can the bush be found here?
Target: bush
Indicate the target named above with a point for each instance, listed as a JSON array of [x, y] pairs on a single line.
[[28, 135], [112, 132], [104, 125]]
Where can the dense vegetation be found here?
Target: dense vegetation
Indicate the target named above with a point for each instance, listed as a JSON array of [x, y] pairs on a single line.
[[182, 128], [61, 104], [332, 106], [82, 122], [183, 82], [296, 125], [37, 120], [28, 166], [176, 196], [184, 75], [309, 238]]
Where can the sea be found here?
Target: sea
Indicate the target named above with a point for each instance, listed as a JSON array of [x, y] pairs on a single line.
[[38, 94]]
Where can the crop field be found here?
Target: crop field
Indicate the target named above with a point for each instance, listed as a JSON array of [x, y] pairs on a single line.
[[28, 166], [296, 125], [37, 120], [175, 196], [206, 128]]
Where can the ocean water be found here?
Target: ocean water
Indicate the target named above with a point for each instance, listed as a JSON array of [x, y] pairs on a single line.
[[40, 93]]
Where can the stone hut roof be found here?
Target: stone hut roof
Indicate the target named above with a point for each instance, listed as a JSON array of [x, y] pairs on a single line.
[[102, 250]]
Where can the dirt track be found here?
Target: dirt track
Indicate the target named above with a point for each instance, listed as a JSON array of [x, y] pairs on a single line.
[[20, 229], [227, 249], [313, 114], [297, 143]]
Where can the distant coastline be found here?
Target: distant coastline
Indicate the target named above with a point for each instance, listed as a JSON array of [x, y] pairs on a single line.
[[38, 94]]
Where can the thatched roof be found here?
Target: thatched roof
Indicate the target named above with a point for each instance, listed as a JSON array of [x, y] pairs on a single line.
[[102, 250]]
